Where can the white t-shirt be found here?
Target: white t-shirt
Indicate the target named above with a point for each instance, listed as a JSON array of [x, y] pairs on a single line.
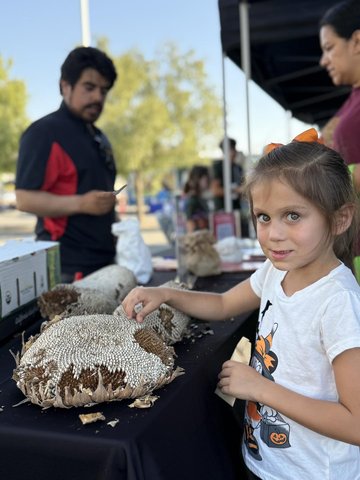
[[298, 338]]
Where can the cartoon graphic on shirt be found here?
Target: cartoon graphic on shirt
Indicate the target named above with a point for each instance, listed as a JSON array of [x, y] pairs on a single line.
[[274, 431], [266, 308]]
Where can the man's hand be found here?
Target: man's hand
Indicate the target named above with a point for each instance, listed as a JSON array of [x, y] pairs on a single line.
[[96, 202]]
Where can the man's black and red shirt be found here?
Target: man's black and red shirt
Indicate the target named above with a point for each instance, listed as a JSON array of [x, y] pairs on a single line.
[[59, 154]]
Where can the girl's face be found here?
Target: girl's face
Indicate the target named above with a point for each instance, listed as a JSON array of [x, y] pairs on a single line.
[[339, 57], [292, 232], [204, 183]]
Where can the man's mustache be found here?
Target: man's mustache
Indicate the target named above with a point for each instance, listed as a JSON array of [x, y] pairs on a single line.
[[97, 105]]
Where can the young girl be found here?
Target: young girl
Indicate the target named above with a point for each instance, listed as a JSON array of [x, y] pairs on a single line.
[[302, 418], [195, 205]]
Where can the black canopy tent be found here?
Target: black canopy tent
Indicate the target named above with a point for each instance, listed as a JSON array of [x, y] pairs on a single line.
[[285, 53]]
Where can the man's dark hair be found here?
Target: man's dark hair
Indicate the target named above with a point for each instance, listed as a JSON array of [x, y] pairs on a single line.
[[87, 57], [231, 141]]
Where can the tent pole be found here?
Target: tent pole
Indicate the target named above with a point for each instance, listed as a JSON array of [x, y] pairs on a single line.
[[85, 23], [226, 151], [245, 61], [288, 117]]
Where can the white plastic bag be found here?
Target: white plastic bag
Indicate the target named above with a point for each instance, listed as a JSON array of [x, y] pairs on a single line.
[[131, 250], [229, 249]]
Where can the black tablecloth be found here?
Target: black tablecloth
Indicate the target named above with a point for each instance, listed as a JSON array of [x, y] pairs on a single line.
[[189, 433]]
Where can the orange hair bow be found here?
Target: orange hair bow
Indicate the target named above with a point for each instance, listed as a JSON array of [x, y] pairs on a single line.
[[309, 135]]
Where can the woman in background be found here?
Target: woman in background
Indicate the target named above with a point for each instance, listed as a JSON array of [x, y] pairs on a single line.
[[195, 205], [340, 44]]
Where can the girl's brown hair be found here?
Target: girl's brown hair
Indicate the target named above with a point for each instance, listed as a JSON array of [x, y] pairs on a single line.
[[195, 175], [320, 175]]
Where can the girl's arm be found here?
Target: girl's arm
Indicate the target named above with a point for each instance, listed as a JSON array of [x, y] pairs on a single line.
[[201, 305], [339, 420]]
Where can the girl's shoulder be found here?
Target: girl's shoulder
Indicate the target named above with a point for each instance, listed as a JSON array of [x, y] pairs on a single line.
[[267, 268], [266, 274], [338, 293], [341, 280]]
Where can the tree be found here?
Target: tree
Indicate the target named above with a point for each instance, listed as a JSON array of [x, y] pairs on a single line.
[[160, 114], [13, 118]]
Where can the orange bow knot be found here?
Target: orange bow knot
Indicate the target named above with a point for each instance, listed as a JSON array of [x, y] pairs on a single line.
[[309, 135]]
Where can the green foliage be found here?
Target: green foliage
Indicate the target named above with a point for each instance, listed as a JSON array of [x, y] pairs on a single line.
[[13, 118], [161, 113]]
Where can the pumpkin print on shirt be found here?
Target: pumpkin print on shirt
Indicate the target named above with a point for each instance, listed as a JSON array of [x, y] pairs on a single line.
[[274, 431]]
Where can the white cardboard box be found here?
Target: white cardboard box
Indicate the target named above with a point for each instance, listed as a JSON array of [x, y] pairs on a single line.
[[27, 269]]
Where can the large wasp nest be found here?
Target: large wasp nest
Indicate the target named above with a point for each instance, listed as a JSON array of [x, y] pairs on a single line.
[[169, 323], [84, 360], [201, 258], [99, 292]]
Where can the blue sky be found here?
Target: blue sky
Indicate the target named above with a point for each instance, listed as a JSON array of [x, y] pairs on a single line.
[[38, 34]]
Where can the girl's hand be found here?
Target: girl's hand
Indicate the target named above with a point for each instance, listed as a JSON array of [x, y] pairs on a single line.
[[241, 381], [143, 300]]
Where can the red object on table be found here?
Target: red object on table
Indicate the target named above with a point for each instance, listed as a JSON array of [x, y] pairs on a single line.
[[224, 225]]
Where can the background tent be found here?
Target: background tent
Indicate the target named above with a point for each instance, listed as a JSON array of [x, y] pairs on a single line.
[[285, 53]]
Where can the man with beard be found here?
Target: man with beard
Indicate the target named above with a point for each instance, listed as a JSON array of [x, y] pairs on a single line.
[[66, 170]]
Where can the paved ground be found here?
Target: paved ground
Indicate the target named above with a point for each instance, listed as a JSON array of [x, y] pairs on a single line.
[[15, 224]]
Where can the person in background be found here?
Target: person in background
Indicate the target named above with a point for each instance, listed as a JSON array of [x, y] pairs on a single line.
[[302, 417], [340, 44], [165, 214], [66, 170], [195, 203], [237, 179]]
